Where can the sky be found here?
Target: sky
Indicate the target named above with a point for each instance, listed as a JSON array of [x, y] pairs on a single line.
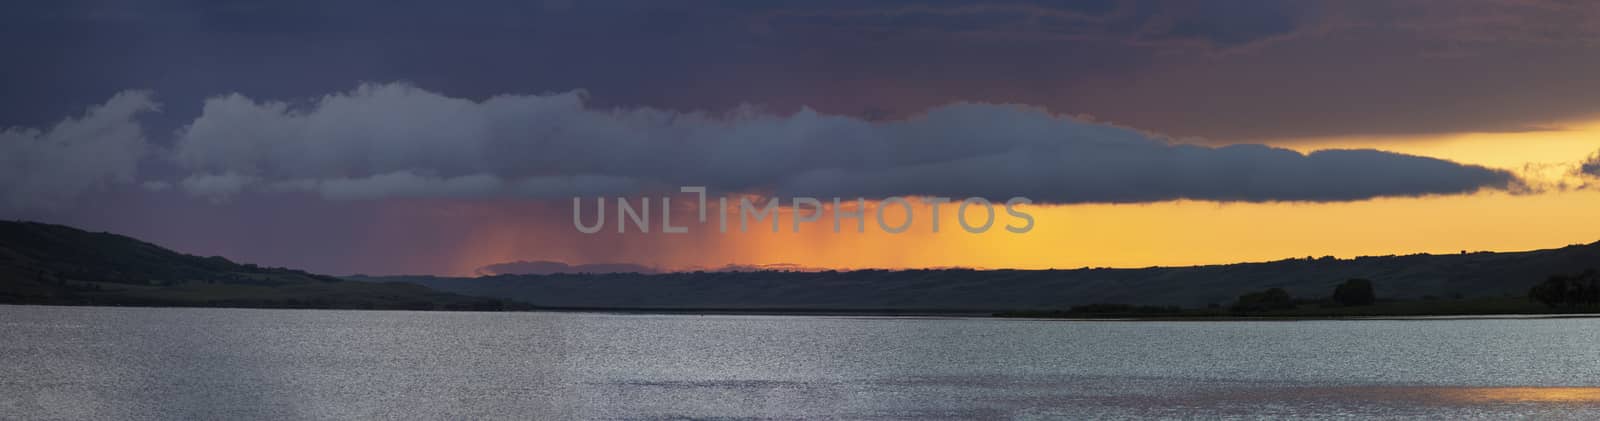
[[452, 138]]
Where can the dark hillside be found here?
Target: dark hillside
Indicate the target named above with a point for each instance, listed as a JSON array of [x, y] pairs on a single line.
[[55, 264]]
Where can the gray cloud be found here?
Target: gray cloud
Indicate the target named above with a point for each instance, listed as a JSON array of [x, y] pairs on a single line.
[[1591, 166], [47, 168], [386, 140], [217, 187], [1077, 173], [404, 183]]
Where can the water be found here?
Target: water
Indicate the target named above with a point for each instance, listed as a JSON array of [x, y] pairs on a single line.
[[146, 363]]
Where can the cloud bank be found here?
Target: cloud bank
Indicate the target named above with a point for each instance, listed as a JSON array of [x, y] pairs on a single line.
[[46, 168], [396, 140]]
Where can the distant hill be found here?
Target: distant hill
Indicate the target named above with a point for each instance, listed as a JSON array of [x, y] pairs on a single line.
[[545, 267], [1421, 276], [55, 264]]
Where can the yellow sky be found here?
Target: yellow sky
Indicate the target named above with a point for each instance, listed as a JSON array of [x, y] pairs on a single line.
[[1549, 151], [1190, 232]]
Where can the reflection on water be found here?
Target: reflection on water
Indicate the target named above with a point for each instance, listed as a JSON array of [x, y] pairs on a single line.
[[1584, 395], [81, 363]]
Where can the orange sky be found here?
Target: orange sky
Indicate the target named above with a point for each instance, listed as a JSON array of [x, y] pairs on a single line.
[[1158, 234]]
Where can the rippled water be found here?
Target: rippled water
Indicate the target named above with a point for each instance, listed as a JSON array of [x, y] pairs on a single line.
[[60, 362]]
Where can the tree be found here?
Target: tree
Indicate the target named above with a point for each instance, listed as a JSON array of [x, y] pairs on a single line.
[[1354, 292], [1552, 292], [1568, 290], [1271, 299]]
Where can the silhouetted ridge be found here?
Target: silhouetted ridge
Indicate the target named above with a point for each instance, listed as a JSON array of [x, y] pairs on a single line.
[[63, 251], [55, 264], [1408, 277]]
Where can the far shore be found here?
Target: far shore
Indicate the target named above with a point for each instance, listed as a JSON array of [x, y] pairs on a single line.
[[1002, 315], [926, 313]]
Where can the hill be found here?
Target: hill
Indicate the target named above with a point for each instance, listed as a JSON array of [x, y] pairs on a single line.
[[1412, 277], [55, 264]]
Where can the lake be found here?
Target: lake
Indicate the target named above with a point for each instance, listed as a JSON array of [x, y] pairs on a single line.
[[165, 363]]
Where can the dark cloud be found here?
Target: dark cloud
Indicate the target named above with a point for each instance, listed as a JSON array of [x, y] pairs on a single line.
[[1591, 166], [396, 140], [1221, 25], [1133, 173], [1174, 24], [1231, 72]]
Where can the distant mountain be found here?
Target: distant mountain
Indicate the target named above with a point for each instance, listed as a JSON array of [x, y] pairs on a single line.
[[1395, 277], [55, 264], [545, 267]]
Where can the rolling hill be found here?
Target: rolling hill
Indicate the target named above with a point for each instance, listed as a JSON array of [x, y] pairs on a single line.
[[55, 264]]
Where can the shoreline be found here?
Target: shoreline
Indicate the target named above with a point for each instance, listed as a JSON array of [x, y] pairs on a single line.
[[908, 313]]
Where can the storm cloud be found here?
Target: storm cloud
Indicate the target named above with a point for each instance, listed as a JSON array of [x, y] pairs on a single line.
[[46, 168], [1591, 166], [396, 140]]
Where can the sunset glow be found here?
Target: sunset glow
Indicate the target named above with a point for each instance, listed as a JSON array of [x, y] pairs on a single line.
[[1557, 212]]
